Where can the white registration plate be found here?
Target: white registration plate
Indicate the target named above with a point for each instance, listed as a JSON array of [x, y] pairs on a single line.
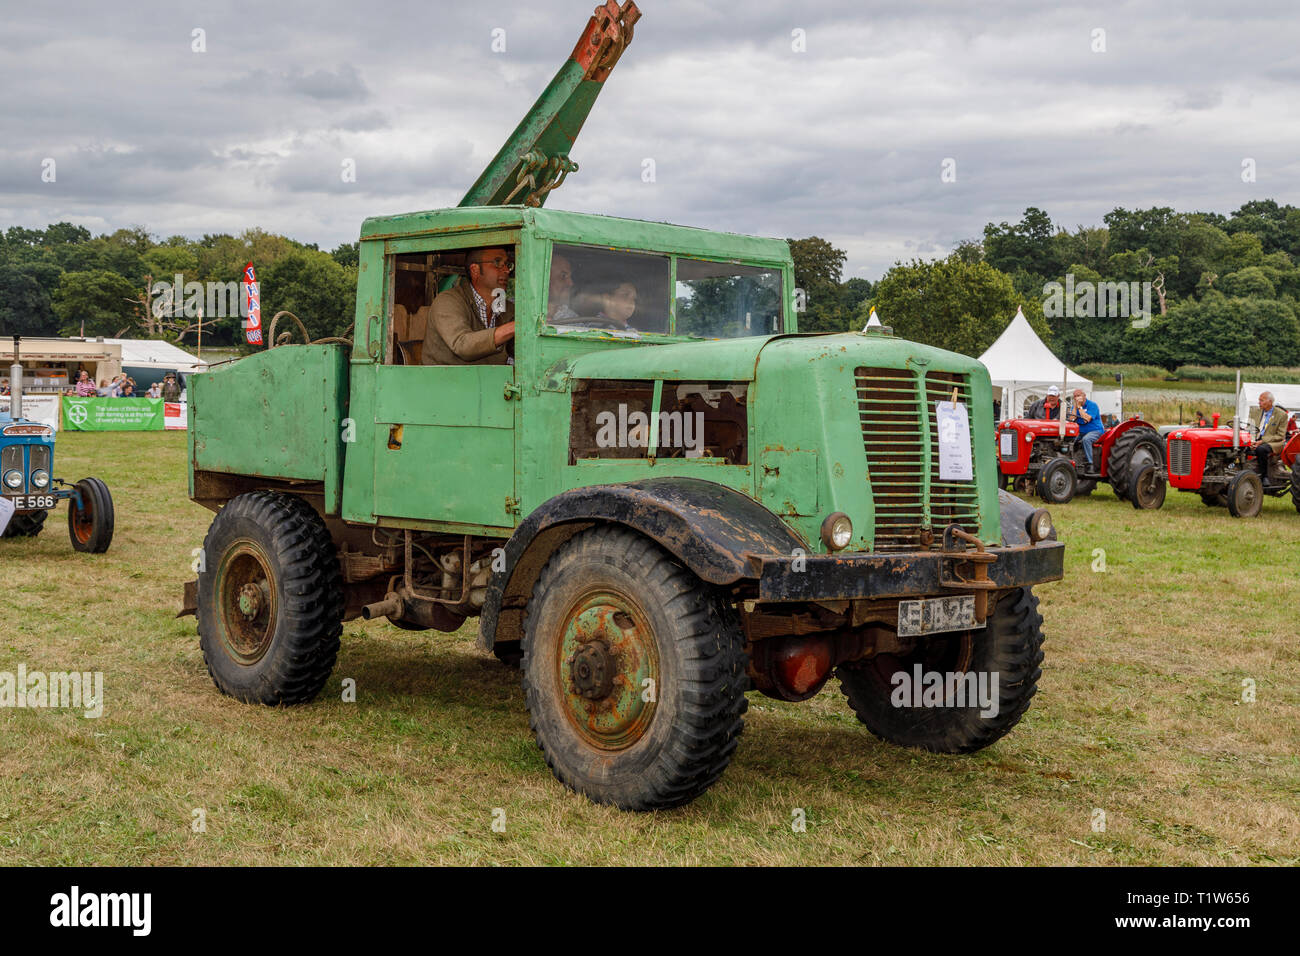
[[33, 502], [936, 615]]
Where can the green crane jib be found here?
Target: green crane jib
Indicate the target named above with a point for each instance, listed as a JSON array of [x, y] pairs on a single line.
[[535, 159]]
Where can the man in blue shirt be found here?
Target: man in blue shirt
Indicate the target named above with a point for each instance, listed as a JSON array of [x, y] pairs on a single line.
[[1088, 416]]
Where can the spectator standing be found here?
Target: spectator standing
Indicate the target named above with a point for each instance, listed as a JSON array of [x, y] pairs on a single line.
[[85, 385], [171, 389]]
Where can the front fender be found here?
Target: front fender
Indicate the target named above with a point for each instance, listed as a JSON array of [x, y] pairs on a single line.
[[707, 526]]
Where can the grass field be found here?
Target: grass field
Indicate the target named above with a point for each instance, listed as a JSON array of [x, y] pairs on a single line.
[[1139, 714]]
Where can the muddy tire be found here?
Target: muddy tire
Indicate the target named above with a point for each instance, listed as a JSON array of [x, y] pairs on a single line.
[[615, 619], [1135, 448], [1295, 483], [90, 527], [1010, 647], [270, 600], [28, 524], [1245, 495]]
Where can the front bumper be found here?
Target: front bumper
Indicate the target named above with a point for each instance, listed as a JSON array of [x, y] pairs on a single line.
[[840, 577]]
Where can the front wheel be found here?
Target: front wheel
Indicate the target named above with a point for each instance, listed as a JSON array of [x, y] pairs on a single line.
[[1147, 492], [992, 672], [633, 672], [90, 524], [1056, 482], [1245, 495], [1133, 450], [270, 600]]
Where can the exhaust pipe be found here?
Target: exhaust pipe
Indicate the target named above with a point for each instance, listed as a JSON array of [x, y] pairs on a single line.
[[390, 607], [16, 384]]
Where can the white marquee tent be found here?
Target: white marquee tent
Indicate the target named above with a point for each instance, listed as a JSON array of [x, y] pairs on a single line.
[[1023, 367], [151, 353]]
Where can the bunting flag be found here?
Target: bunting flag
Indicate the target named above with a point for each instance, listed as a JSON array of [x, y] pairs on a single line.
[[253, 327]]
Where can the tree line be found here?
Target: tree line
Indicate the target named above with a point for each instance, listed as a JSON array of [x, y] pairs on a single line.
[[61, 280], [1223, 290]]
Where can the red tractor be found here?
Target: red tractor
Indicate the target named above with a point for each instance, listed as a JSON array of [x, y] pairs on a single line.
[[1223, 472], [1130, 456]]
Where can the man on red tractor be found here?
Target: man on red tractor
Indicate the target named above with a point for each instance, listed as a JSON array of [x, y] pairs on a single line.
[[1272, 433], [1048, 407], [1087, 416]]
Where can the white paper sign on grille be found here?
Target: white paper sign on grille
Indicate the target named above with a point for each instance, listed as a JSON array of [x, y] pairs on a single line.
[[954, 441], [6, 512]]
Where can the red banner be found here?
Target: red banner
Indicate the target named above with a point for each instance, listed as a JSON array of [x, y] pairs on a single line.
[[253, 327]]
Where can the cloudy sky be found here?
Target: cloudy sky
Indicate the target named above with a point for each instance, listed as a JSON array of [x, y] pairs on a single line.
[[845, 138]]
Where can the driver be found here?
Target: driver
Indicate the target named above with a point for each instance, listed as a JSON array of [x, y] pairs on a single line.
[[1088, 417], [463, 327], [1049, 406], [1272, 432]]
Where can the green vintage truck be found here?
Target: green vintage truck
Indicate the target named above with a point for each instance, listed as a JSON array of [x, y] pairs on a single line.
[[666, 499]]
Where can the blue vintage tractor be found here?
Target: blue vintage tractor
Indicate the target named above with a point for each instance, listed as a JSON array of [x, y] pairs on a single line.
[[28, 490]]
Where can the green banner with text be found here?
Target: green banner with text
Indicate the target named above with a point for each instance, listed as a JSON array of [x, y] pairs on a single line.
[[113, 414]]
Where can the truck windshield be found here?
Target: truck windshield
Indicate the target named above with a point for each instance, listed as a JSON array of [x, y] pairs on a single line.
[[627, 295], [722, 300], [622, 293]]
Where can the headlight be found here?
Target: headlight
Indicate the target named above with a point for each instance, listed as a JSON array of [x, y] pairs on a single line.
[[1039, 525], [14, 479], [837, 531], [40, 478]]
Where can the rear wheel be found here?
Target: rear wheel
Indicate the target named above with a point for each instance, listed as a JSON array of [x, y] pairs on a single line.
[[1005, 658], [27, 524], [1135, 448], [1245, 495], [1295, 483], [633, 672], [90, 524], [1085, 487], [1056, 481], [270, 600], [1147, 491]]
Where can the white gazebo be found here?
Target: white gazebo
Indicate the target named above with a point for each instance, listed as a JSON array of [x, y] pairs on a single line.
[[1024, 368]]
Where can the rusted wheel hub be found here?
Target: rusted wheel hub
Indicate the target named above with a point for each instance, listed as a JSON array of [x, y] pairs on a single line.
[[609, 667], [248, 608], [593, 670], [251, 600]]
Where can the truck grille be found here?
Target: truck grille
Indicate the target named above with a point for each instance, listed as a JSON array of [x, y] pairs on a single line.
[[1180, 457], [895, 425], [951, 501]]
